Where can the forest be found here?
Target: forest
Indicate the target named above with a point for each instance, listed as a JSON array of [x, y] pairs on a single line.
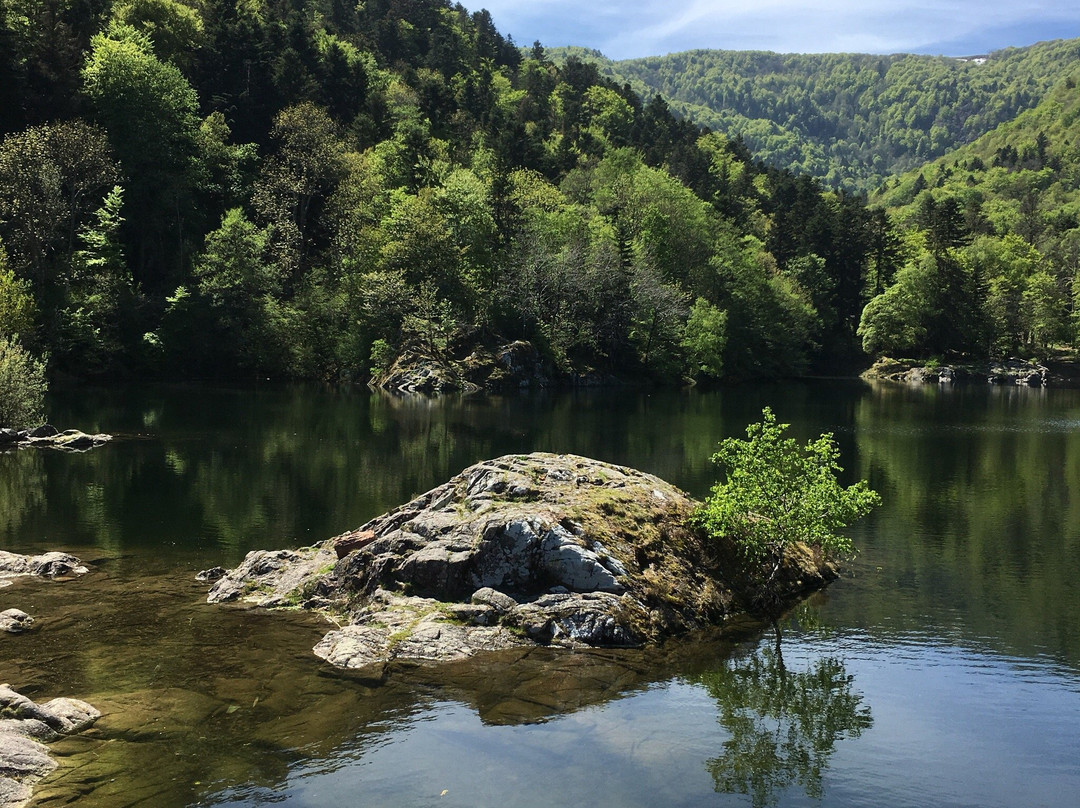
[[852, 120], [307, 188], [301, 188], [993, 243]]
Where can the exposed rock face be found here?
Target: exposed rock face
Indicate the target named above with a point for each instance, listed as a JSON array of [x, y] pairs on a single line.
[[521, 550], [49, 437], [24, 726], [516, 365], [418, 371], [46, 565]]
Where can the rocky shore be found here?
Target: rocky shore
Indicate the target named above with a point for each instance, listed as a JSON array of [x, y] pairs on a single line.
[[1000, 372], [516, 552], [49, 436], [513, 366]]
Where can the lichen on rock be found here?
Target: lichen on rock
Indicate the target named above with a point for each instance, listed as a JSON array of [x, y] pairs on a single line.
[[515, 551]]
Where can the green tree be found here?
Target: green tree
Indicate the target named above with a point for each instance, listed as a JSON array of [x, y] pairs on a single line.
[[17, 308], [175, 29], [22, 385], [149, 110], [774, 495], [100, 294], [1044, 309], [704, 340], [51, 178], [295, 182], [240, 285]]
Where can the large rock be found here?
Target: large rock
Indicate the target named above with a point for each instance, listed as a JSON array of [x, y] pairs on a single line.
[[46, 565], [24, 725], [48, 436], [517, 551], [14, 621], [419, 371], [13, 794]]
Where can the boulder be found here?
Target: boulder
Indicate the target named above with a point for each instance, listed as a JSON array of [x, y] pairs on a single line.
[[24, 726], [517, 551], [46, 565], [47, 436], [14, 621], [272, 577], [211, 575], [13, 794], [22, 758]]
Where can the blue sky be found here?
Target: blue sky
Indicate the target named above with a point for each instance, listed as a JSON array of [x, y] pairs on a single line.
[[623, 29]]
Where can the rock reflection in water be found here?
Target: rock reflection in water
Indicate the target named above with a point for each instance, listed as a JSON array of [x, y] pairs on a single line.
[[784, 724], [200, 700]]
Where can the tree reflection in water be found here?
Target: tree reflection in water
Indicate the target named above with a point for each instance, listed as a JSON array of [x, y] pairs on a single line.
[[784, 724]]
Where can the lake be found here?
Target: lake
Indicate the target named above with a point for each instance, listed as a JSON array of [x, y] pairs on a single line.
[[943, 668]]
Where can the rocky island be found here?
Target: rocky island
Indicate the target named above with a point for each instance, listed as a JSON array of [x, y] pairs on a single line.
[[523, 550]]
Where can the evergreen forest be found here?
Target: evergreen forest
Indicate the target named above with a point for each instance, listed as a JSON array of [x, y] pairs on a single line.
[[308, 188]]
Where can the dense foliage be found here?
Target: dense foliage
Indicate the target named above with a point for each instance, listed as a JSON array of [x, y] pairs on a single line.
[[991, 260], [22, 386], [850, 119], [775, 493], [303, 188]]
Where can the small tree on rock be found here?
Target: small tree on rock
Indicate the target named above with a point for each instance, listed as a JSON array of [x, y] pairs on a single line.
[[775, 495]]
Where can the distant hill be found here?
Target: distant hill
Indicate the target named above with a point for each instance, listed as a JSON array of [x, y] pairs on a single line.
[[1021, 178], [852, 120]]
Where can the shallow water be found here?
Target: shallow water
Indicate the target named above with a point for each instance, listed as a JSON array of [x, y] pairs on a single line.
[[944, 669]]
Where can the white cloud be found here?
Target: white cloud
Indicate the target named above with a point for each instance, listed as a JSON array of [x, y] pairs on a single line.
[[624, 29]]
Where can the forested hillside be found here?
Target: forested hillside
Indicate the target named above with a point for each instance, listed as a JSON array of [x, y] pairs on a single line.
[[992, 254], [852, 120], [306, 187]]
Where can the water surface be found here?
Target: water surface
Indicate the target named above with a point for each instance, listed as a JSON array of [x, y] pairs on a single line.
[[943, 669]]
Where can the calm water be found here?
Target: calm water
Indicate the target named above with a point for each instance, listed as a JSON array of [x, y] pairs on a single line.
[[944, 669]]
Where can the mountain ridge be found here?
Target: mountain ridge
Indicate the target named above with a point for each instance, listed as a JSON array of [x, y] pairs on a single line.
[[850, 119]]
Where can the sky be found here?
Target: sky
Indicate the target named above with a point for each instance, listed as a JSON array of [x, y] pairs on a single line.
[[624, 29]]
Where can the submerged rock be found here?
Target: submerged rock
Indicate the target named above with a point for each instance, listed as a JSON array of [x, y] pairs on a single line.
[[517, 551], [24, 725]]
